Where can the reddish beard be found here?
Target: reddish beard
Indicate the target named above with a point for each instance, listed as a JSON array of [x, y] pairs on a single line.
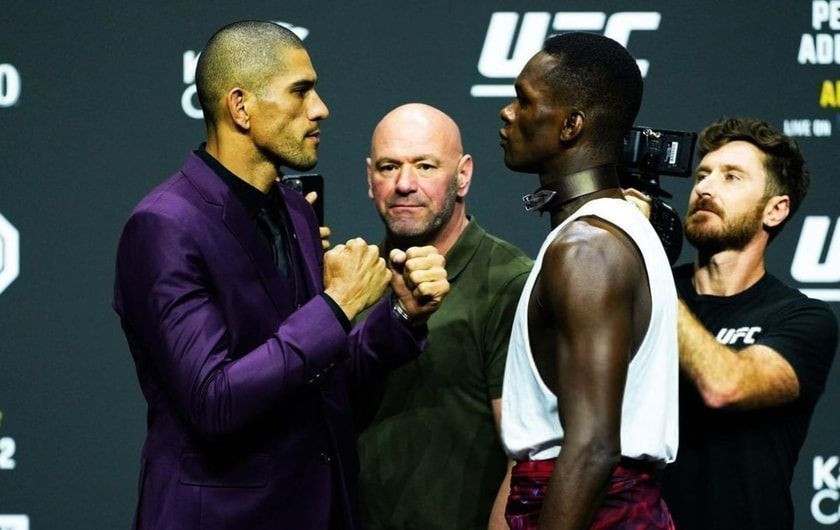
[[734, 234]]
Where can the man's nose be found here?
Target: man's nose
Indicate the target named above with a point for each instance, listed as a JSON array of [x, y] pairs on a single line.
[[706, 186], [406, 179], [505, 113], [317, 109]]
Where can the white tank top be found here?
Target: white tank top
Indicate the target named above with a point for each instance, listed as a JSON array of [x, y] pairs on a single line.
[[531, 428]]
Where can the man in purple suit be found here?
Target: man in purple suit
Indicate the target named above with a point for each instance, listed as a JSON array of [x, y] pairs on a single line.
[[239, 324]]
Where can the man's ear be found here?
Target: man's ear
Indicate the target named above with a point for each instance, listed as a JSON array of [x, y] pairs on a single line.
[[235, 101], [464, 175], [572, 125], [369, 177], [776, 210]]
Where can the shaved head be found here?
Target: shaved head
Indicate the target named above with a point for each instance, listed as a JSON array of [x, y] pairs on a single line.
[[419, 123], [598, 75], [245, 54]]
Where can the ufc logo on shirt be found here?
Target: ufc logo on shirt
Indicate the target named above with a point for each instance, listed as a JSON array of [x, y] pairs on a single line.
[[745, 334]]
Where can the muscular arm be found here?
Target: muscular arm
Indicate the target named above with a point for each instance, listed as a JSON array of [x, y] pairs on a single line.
[[754, 377], [587, 286]]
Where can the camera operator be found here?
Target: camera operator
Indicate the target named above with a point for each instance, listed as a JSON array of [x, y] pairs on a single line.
[[754, 353]]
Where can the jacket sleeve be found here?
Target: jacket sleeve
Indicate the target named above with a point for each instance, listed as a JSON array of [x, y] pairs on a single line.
[[381, 342], [179, 336]]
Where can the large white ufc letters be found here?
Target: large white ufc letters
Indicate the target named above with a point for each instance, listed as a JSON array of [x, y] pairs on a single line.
[[505, 51]]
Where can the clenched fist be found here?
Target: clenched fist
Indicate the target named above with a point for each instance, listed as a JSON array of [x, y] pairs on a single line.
[[418, 281], [355, 276]]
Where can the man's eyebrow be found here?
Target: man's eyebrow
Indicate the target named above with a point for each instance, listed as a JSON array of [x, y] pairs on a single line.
[[734, 167], [304, 83], [725, 167], [388, 159]]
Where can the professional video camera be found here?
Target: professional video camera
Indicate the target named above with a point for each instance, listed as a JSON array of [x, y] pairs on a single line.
[[647, 155]]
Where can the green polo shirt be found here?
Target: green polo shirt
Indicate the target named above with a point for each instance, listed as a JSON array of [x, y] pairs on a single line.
[[429, 451]]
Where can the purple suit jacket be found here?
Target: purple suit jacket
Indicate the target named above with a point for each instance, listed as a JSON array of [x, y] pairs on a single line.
[[248, 413]]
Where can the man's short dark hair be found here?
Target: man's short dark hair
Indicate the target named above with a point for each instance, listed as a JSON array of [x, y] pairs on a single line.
[[785, 166], [598, 76], [240, 54]]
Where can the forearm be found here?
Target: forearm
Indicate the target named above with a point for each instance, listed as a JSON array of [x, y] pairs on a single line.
[[577, 486], [714, 368], [755, 376], [497, 514]]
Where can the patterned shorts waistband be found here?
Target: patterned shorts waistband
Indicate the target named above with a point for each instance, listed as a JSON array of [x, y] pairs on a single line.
[[632, 501], [542, 469]]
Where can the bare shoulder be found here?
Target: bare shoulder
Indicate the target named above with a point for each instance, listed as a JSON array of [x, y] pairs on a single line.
[[595, 243], [591, 256]]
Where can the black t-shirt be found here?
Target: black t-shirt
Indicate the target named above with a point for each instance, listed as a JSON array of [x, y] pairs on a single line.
[[734, 467]]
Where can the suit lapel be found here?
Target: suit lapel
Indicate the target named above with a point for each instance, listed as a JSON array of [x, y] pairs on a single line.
[[243, 228], [307, 240], [237, 220]]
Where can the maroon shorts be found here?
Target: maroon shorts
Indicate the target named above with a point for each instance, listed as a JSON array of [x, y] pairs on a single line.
[[632, 502]]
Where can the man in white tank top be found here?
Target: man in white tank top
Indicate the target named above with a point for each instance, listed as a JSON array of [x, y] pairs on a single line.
[[589, 403]]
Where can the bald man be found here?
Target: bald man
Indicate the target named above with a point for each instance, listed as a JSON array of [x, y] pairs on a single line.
[[429, 450], [239, 324]]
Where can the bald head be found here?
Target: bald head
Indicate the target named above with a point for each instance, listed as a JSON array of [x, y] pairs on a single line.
[[245, 54], [418, 123], [419, 176]]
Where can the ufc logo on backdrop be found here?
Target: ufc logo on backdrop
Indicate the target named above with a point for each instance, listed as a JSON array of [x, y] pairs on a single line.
[[9, 253], [825, 505], [813, 263], [14, 522], [506, 50], [9, 85], [189, 98]]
